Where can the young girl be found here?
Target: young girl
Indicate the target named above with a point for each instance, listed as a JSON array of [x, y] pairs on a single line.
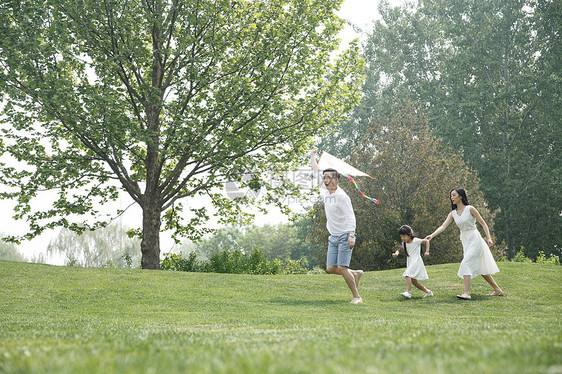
[[415, 270], [477, 258]]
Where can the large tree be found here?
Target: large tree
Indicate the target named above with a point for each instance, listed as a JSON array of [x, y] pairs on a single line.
[[487, 74], [162, 100]]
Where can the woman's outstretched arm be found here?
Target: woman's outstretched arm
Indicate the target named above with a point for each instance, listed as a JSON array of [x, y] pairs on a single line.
[[441, 228]]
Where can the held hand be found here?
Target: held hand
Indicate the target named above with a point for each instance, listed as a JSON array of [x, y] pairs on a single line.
[[351, 242], [426, 253], [429, 237], [490, 243]]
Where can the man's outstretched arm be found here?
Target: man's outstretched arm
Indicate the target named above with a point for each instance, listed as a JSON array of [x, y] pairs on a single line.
[[313, 162]]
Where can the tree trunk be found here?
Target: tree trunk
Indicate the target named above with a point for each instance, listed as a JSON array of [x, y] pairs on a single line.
[[150, 244]]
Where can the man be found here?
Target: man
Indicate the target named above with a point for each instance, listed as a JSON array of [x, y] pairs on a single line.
[[340, 221]]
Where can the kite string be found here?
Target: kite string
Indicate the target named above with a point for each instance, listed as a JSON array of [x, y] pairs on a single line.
[[362, 194]]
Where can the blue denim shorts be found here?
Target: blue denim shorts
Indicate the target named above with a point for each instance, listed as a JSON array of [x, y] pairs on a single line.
[[339, 253]]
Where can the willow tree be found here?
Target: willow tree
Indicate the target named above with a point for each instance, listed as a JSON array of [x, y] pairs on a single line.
[[162, 100]]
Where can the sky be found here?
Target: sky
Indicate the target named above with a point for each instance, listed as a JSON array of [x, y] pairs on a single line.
[[361, 13]]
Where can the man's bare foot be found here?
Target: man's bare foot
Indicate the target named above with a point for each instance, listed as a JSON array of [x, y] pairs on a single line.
[[356, 300], [464, 296], [357, 274], [496, 293]]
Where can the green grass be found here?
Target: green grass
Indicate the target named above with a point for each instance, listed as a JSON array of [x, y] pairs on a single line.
[[77, 320]]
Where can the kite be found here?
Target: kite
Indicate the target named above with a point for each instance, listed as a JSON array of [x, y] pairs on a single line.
[[327, 161]]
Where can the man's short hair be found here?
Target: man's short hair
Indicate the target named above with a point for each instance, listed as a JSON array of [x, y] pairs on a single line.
[[332, 171]]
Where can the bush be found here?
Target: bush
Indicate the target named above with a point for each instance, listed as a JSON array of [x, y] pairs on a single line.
[[296, 267], [238, 262], [541, 258], [234, 262], [520, 257], [316, 270], [174, 261]]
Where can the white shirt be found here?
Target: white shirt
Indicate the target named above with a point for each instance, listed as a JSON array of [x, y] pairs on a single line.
[[340, 218], [413, 248]]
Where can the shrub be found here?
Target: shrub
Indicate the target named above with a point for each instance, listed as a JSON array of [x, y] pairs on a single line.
[[235, 262], [238, 262], [317, 270], [520, 257], [296, 267], [174, 261], [541, 258]]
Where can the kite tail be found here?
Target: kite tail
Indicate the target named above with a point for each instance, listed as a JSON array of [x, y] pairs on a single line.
[[362, 194]]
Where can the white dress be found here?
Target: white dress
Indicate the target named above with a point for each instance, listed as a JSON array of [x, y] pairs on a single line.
[[414, 263], [477, 257]]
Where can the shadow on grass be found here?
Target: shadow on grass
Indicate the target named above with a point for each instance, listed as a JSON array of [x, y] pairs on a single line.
[[415, 300], [445, 299], [296, 302]]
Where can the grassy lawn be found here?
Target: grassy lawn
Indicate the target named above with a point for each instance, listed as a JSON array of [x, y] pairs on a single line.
[[79, 320]]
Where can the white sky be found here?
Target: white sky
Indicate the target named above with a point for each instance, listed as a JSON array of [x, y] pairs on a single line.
[[359, 12]]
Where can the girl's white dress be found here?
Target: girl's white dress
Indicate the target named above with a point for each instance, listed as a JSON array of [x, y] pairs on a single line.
[[414, 263], [477, 257]]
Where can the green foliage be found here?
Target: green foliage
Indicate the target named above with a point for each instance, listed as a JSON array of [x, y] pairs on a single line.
[[552, 259], [520, 257], [299, 266], [163, 101], [76, 320], [234, 262], [283, 241], [238, 262], [412, 174], [541, 258], [174, 261], [223, 239]]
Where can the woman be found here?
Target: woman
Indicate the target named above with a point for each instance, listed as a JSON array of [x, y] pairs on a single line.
[[477, 258]]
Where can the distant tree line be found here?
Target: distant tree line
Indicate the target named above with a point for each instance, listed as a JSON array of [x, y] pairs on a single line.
[[283, 241]]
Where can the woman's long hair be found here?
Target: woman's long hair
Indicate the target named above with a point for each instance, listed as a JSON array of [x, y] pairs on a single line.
[[462, 194]]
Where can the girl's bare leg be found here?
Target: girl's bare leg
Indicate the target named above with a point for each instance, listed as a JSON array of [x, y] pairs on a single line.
[[408, 284], [420, 286], [467, 284]]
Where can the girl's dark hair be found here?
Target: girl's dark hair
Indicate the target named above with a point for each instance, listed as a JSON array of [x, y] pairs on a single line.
[[406, 230], [462, 194]]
